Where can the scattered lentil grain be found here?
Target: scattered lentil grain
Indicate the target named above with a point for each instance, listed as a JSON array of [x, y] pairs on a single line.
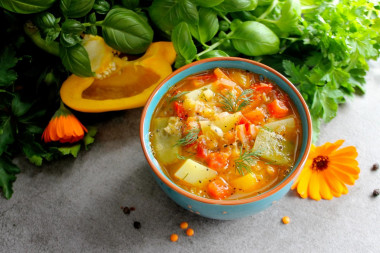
[[174, 237], [375, 166], [184, 225], [137, 225], [189, 232], [132, 208], [376, 192], [285, 219]]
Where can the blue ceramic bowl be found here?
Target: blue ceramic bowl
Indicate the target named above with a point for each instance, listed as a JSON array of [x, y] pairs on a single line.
[[225, 209]]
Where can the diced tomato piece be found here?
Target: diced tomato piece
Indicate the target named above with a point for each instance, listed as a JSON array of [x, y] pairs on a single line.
[[263, 87], [243, 120], [179, 110], [256, 116], [202, 150], [253, 130], [219, 189], [217, 161], [278, 109], [241, 133]]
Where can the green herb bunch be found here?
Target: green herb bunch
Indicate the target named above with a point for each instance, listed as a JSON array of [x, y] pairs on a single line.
[[322, 46], [56, 27]]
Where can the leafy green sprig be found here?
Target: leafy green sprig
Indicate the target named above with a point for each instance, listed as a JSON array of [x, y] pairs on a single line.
[[190, 137], [233, 103], [245, 161]]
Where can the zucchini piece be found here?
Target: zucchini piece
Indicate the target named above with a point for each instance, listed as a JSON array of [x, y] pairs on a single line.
[[282, 126], [164, 140], [195, 173], [273, 147], [227, 121], [196, 94]]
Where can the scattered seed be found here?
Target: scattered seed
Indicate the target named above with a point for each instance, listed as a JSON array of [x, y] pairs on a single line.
[[174, 237], [376, 192], [285, 219], [126, 210], [184, 225], [132, 208], [137, 225], [190, 232], [375, 167]]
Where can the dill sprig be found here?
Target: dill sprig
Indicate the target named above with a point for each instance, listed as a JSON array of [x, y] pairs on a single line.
[[244, 162], [189, 138], [232, 103], [178, 96]]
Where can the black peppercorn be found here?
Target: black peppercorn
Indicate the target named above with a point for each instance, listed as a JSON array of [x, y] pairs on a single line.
[[375, 166], [137, 225], [376, 192], [126, 210]]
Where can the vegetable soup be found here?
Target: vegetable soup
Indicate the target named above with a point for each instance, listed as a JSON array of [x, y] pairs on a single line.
[[226, 134]]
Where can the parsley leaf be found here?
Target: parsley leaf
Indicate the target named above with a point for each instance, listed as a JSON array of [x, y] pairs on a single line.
[[7, 62]]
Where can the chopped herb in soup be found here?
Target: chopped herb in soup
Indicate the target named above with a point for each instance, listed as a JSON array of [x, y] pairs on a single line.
[[226, 134]]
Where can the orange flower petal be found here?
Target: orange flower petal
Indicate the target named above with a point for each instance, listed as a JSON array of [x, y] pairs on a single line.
[[328, 147], [353, 170], [324, 187], [346, 160], [307, 165], [343, 177], [314, 186], [304, 182], [333, 182], [345, 152]]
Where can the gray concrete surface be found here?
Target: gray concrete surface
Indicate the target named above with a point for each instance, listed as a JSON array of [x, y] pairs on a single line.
[[73, 205]]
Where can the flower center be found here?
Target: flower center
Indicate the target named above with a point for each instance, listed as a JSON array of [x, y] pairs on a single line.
[[320, 163]]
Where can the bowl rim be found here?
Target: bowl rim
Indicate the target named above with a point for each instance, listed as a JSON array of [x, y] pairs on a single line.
[[194, 197]]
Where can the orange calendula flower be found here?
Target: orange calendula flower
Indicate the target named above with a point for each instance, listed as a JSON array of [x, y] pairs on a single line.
[[327, 171], [64, 127]]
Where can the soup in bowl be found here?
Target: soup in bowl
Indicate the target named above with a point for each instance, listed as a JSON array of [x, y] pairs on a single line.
[[225, 137]]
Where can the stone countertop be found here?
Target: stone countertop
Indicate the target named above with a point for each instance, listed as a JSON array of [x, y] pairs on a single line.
[[73, 205]]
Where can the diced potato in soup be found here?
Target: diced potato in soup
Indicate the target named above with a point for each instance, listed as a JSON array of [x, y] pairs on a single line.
[[226, 134]]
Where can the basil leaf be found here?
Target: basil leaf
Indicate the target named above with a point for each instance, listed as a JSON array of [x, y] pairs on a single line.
[[101, 6], [254, 39], [166, 14], [208, 3], [126, 31], [130, 4], [236, 5], [214, 53], [72, 26], [71, 29], [207, 27], [69, 39], [183, 42], [76, 60], [48, 26], [92, 29], [76, 8], [26, 7]]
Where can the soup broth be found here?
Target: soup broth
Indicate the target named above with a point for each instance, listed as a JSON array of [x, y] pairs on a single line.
[[226, 134]]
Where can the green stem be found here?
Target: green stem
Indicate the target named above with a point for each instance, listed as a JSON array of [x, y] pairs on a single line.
[[224, 17], [97, 23], [215, 45], [32, 31], [269, 10]]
